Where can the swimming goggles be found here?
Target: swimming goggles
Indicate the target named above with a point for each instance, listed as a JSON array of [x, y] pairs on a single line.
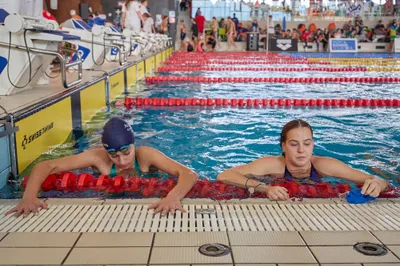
[[125, 150]]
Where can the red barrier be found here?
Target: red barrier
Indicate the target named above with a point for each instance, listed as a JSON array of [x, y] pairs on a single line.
[[204, 188], [255, 103], [158, 79]]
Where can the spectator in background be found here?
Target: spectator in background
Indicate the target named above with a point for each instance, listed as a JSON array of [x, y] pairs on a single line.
[[306, 38], [148, 25], [295, 35], [319, 40], [164, 26], [183, 5], [287, 34], [231, 33], [195, 32], [338, 34], [211, 43], [214, 27], [235, 20], [363, 36], [380, 31], [325, 41], [200, 20], [182, 29], [270, 27], [360, 24], [348, 26], [254, 26], [392, 33], [131, 16], [278, 31], [143, 7]]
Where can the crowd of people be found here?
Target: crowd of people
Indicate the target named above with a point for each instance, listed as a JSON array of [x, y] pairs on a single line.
[[357, 30], [235, 31], [136, 17]]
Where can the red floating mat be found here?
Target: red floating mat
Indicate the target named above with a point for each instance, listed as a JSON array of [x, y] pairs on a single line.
[[204, 188]]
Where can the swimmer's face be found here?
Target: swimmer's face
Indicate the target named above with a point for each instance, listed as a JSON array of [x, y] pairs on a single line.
[[298, 146], [125, 158]]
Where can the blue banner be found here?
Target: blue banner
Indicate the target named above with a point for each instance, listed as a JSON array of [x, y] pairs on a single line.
[[343, 45]]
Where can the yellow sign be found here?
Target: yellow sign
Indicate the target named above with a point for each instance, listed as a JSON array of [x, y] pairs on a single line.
[[93, 99], [149, 65], [117, 85], [140, 70], [158, 60], [42, 131], [131, 76]]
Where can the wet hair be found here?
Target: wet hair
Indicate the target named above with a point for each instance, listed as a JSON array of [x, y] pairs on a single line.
[[144, 1], [298, 123], [146, 15]]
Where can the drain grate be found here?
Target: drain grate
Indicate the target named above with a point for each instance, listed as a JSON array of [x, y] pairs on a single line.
[[207, 218], [214, 250], [370, 249]]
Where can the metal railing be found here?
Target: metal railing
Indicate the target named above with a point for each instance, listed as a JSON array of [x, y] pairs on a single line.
[[63, 61]]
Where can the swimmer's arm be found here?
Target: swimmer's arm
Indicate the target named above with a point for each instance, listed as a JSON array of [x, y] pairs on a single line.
[[336, 168], [41, 170], [148, 156], [239, 175]]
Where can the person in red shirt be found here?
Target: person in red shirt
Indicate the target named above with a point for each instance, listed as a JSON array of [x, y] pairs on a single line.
[[200, 20]]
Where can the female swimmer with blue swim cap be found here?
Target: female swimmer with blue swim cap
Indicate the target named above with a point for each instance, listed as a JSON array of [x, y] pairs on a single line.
[[118, 157], [297, 164]]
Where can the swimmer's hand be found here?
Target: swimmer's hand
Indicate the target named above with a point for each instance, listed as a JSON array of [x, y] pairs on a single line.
[[277, 193], [171, 203], [28, 205], [371, 187]]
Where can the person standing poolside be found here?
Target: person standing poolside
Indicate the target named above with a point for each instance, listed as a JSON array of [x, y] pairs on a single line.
[[143, 7], [117, 157], [200, 20], [182, 29], [215, 28], [298, 164], [231, 33], [164, 26], [148, 25], [195, 32], [131, 16], [392, 34]]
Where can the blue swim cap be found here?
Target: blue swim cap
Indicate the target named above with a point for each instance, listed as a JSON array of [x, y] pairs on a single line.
[[116, 134]]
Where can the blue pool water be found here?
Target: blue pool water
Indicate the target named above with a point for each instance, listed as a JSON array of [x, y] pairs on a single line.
[[210, 140]]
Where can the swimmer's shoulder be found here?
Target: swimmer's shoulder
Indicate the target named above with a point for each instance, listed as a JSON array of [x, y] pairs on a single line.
[[97, 155], [273, 164], [101, 163], [322, 164]]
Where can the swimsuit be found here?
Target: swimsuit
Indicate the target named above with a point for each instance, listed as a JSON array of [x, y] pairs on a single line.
[[314, 177], [113, 170]]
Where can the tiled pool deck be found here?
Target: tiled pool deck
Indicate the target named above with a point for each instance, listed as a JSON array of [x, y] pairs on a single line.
[[167, 241]]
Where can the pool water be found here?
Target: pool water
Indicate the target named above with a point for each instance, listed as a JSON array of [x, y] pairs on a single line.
[[210, 140]]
